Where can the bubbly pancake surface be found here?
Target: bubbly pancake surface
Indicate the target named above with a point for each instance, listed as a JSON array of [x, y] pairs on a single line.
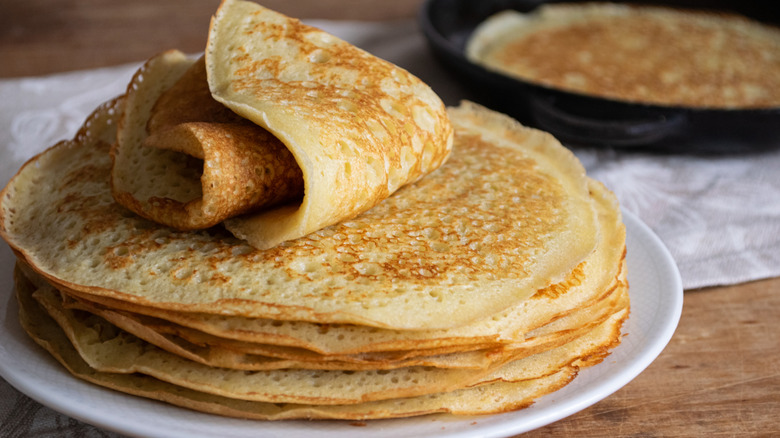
[[584, 285], [637, 53], [185, 160], [358, 126], [296, 130], [508, 215]]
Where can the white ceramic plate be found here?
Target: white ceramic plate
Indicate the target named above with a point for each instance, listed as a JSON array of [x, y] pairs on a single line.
[[656, 304]]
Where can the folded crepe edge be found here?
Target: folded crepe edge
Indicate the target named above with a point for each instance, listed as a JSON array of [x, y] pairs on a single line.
[[319, 207]]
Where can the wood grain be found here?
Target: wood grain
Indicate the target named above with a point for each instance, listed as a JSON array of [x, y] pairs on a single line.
[[49, 36], [719, 376]]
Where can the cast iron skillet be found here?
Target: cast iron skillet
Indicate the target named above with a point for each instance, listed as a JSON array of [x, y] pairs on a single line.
[[578, 119]]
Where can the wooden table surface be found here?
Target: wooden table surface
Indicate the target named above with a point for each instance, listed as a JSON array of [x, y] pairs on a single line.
[[719, 376]]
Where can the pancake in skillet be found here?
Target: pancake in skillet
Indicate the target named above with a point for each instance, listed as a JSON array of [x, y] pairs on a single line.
[[636, 53]]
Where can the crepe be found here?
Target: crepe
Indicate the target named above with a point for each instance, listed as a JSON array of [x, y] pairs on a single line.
[[633, 53], [474, 289], [209, 164], [226, 353], [115, 351], [351, 129], [415, 385], [107, 350], [483, 213], [216, 352], [587, 283], [47, 334]]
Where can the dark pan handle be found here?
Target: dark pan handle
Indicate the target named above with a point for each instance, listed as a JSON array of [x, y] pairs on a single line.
[[640, 129]]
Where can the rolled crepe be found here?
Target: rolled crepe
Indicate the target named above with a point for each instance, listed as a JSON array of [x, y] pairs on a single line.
[[317, 131], [245, 168]]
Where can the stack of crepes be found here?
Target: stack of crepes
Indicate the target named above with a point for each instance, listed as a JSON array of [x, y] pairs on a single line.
[[272, 232]]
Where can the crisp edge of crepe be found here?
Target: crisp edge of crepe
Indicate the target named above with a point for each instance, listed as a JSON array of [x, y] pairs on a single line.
[[325, 193]]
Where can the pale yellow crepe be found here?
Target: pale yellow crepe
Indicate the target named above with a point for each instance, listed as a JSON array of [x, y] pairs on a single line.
[[508, 214], [358, 128], [227, 353], [188, 161], [485, 399], [588, 283], [108, 350]]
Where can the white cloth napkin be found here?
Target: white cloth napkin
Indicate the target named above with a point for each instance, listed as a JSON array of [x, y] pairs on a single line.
[[719, 216]]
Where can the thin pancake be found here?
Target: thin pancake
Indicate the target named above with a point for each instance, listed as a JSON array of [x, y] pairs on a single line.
[[509, 197], [636, 53], [321, 119], [488, 398], [110, 350], [358, 126], [209, 164], [216, 352]]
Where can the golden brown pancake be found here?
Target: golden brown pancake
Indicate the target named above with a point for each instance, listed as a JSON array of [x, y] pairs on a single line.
[[482, 215], [359, 127], [587, 283], [101, 345], [82, 168], [636, 53], [227, 353], [108, 349], [227, 165], [47, 334], [333, 128]]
